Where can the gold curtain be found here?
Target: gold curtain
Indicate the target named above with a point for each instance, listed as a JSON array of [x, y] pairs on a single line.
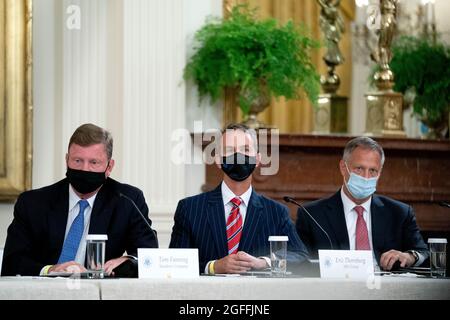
[[295, 116]]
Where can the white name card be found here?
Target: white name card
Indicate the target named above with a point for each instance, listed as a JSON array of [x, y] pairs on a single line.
[[168, 263], [347, 264]]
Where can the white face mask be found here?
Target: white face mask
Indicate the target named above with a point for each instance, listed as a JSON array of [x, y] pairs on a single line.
[[360, 187]]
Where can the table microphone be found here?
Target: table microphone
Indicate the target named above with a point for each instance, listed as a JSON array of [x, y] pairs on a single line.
[[141, 214], [291, 200], [444, 204]]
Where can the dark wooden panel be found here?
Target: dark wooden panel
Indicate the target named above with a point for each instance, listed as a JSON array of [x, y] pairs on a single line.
[[416, 172]]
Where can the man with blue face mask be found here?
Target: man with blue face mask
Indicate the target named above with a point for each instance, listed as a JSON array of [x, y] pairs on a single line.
[[231, 224], [356, 218]]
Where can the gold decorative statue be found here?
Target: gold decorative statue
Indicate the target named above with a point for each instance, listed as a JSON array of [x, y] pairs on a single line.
[[385, 107], [331, 114], [332, 26], [384, 78]]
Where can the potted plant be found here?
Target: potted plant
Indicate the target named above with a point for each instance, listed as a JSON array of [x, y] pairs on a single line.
[[422, 67], [257, 59]]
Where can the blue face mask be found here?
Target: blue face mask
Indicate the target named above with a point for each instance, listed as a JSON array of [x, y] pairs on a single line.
[[360, 187]]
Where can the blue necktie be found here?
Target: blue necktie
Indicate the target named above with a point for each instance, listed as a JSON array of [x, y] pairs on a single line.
[[73, 238]]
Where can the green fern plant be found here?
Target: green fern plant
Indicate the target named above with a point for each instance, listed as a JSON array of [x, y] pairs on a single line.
[[425, 66], [250, 56]]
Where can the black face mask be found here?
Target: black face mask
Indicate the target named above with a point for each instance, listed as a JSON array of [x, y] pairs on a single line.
[[238, 166], [85, 181]]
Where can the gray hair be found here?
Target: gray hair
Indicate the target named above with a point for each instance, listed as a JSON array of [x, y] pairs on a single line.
[[365, 143]]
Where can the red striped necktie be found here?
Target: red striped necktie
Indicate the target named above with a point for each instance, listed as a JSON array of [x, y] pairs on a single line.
[[234, 226], [362, 235]]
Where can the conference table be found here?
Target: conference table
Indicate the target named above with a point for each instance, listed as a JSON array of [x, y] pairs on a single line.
[[225, 288]]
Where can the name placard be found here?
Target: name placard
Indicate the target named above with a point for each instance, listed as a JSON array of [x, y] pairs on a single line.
[[346, 264], [168, 263]]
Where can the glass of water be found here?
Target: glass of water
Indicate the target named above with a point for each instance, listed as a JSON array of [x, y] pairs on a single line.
[[95, 255], [278, 255], [438, 257]]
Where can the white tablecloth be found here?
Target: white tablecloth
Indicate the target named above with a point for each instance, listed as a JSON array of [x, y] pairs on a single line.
[[224, 288], [28, 288]]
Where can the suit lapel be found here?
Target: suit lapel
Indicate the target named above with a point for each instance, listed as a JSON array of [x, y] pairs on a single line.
[[252, 221], [216, 219], [57, 219], [379, 219], [336, 220], [102, 210]]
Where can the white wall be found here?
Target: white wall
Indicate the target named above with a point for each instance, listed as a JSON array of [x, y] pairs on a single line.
[[5, 220], [442, 20], [195, 16], [209, 116], [154, 104]]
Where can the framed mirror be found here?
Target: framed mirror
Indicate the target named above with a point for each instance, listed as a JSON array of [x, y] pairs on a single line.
[[16, 97]]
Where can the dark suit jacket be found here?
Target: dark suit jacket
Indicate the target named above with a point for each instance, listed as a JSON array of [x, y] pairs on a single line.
[[393, 226], [36, 234], [200, 223]]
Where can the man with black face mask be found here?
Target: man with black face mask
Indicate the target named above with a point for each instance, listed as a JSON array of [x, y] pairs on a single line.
[[48, 233], [231, 225]]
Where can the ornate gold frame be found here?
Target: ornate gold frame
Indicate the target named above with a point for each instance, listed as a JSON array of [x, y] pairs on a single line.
[[16, 106]]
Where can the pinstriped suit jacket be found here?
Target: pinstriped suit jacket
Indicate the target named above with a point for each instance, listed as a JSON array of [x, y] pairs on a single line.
[[200, 223]]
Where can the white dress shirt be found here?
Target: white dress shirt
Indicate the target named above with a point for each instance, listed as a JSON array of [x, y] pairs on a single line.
[[227, 196], [74, 209], [351, 216], [350, 220]]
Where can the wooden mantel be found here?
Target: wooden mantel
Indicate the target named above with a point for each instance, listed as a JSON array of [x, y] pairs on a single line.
[[416, 172]]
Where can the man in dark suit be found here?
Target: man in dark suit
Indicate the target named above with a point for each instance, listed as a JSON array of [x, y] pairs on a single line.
[[230, 225], [50, 224], [356, 218]]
